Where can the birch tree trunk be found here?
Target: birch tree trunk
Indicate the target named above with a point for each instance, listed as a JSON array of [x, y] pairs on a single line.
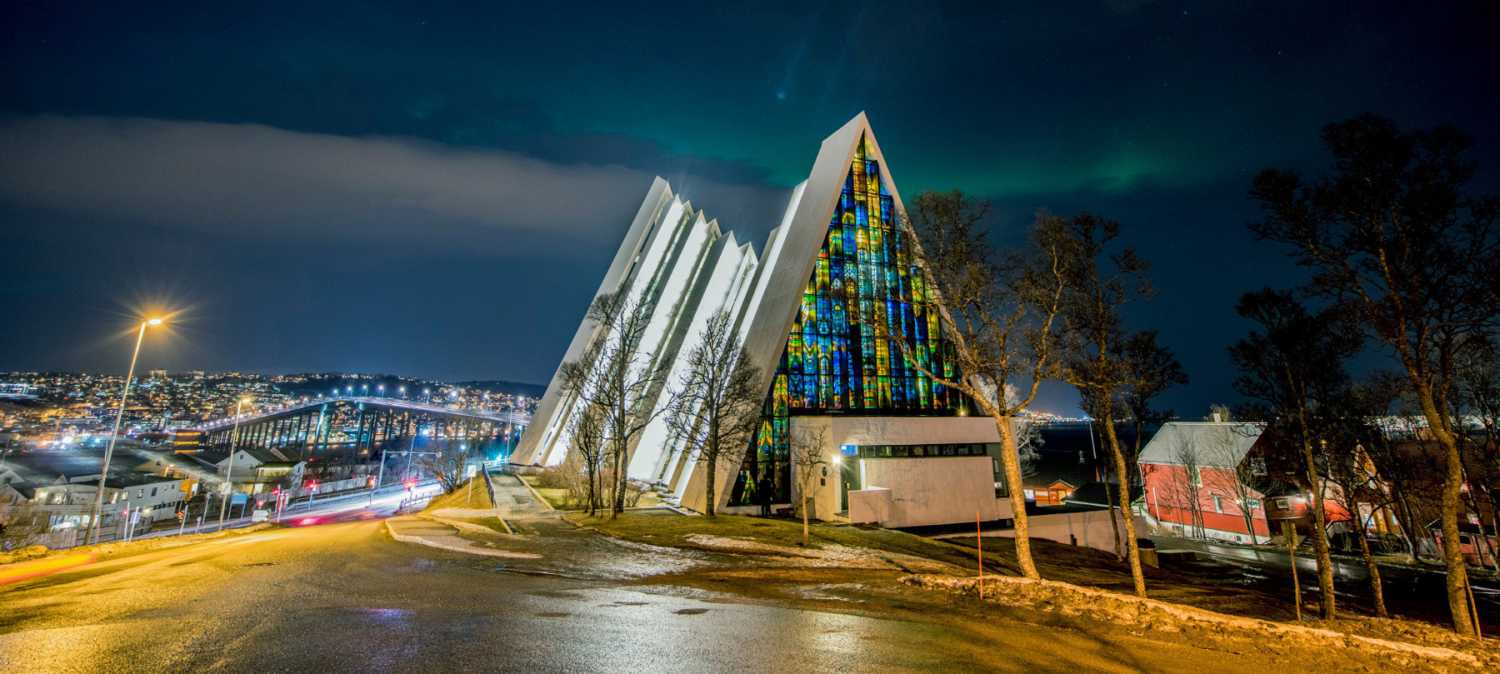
[[1132, 548], [1010, 461]]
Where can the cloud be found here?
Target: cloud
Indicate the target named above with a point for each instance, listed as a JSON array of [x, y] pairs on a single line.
[[262, 182]]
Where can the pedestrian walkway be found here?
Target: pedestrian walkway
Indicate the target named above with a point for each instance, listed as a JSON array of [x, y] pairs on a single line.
[[513, 500], [550, 544], [436, 534]]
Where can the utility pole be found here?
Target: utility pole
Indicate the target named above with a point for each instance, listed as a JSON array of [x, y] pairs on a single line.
[[229, 472], [119, 416], [413, 448]]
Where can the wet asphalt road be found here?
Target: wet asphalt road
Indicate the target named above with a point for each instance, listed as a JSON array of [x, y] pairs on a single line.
[[344, 597]]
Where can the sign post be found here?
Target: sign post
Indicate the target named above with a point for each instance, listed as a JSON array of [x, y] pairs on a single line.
[[1289, 532]]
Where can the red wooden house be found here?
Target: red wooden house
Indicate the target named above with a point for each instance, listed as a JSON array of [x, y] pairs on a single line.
[[1198, 482]]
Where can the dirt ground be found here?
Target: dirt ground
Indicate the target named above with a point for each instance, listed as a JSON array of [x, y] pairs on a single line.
[[886, 579]]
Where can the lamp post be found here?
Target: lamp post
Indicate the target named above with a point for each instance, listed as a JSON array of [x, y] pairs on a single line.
[[229, 472], [109, 451]]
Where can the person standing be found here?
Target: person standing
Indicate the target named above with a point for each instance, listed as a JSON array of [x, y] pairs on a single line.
[[763, 490]]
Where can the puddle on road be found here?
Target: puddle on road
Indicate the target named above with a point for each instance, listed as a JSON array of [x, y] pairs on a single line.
[[388, 617], [832, 592], [556, 594], [691, 611]]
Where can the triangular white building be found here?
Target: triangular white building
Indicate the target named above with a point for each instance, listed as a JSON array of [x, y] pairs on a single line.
[[816, 310]]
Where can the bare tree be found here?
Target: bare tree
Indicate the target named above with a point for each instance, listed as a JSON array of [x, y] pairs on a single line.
[[1353, 473], [1246, 480], [1101, 280], [811, 465], [1394, 235], [1151, 369], [448, 467], [1401, 469], [999, 312], [1028, 441], [716, 404], [1190, 491], [1476, 401], [1295, 364], [591, 449], [615, 377]]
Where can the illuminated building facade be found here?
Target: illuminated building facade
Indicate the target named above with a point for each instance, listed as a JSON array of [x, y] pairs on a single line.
[[818, 312]]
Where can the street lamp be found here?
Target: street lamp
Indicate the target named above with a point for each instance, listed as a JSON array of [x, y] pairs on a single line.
[[229, 472], [109, 451], [380, 389]]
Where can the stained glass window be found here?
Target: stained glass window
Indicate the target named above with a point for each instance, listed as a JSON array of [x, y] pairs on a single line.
[[864, 292]]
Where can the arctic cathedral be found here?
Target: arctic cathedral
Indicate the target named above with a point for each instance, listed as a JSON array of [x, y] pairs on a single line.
[[817, 311]]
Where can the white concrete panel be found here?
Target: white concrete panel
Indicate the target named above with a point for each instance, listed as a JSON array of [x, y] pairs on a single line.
[[936, 490], [922, 490], [718, 291], [546, 417]]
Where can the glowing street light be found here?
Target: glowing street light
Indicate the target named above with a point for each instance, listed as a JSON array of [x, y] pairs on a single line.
[[119, 416]]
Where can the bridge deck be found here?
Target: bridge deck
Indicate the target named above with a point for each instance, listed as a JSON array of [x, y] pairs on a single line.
[[519, 418]]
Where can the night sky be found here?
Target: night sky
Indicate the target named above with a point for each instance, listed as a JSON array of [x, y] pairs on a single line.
[[436, 192]]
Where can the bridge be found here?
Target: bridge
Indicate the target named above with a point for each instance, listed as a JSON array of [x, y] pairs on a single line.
[[364, 424]]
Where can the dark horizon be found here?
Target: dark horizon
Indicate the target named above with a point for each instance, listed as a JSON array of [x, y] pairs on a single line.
[[358, 189]]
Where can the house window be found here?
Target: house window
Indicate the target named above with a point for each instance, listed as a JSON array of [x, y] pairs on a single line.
[[153, 492], [1218, 504], [1197, 476]]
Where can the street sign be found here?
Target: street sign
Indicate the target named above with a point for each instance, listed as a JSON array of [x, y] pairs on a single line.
[[238, 499]]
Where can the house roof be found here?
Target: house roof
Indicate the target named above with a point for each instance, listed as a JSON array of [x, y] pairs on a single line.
[[263, 456], [1205, 443]]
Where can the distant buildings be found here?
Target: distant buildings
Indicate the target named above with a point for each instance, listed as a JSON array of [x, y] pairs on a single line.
[[62, 409], [49, 496], [257, 470]]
